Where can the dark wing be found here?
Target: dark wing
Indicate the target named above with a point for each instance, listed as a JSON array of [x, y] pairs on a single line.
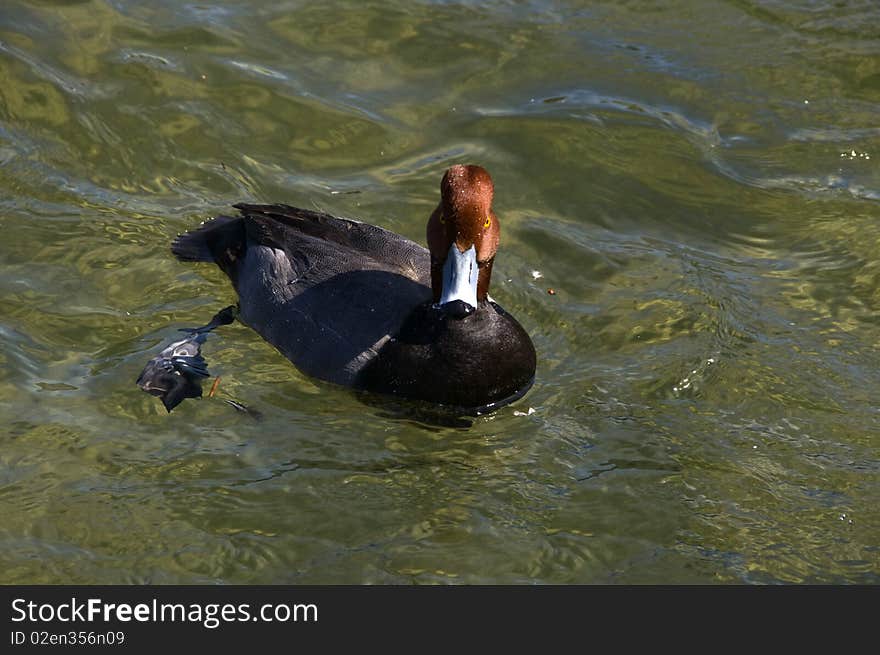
[[277, 226], [224, 239]]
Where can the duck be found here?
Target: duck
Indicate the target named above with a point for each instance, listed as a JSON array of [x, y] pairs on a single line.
[[360, 306]]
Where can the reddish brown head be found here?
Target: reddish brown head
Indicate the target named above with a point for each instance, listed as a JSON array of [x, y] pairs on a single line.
[[464, 218]]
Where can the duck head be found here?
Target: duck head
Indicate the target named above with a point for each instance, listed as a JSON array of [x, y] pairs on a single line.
[[463, 234]]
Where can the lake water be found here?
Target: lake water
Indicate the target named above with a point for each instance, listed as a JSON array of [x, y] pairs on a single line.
[[696, 180]]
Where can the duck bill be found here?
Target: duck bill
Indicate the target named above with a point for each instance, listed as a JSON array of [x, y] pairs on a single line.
[[460, 274]]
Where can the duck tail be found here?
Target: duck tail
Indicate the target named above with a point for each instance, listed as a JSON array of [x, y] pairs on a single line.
[[210, 242]]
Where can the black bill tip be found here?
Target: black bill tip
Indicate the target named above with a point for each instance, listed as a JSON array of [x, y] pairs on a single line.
[[457, 309]]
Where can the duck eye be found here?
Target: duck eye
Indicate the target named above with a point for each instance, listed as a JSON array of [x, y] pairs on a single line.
[[488, 222]]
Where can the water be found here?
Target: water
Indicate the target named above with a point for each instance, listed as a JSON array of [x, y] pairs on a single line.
[[697, 181]]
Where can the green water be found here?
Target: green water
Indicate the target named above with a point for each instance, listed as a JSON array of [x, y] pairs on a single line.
[[698, 181]]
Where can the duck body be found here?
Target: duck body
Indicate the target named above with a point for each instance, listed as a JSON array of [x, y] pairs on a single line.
[[352, 304]]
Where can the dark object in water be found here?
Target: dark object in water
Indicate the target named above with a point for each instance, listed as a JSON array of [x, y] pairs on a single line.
[[176, 373], [356, 305], [244, 409]]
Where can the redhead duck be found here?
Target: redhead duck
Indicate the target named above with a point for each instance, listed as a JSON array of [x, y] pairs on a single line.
[[357, 305]]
